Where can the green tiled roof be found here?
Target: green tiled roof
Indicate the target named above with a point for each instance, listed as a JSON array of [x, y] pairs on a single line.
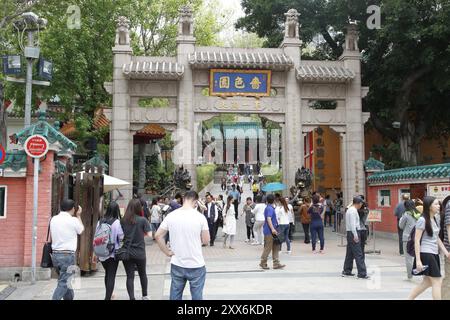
[[43, 128], [373, 165], [436, 171], [15, 160], [240, 130]]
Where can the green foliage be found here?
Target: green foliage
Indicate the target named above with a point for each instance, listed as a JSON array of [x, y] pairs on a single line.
[[390, 155], [272, 174], [153, 102], [156, 177], [205, 174]]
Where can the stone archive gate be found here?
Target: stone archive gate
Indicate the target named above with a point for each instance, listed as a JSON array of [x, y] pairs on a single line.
[[292, 85]]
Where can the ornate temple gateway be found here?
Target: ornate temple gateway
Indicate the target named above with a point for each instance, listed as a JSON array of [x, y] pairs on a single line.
[[203, 82]]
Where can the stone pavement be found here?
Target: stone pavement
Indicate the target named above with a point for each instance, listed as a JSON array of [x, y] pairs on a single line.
[[235, 275]]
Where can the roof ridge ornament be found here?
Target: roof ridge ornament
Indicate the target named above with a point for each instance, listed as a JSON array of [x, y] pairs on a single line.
[[292, 25]]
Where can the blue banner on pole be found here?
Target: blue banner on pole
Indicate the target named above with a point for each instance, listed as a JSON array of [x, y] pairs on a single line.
[[240, 82]]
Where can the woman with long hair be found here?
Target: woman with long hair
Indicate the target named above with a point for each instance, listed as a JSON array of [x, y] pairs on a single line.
[[229, 223], [317, 212], [135, 228], [282, 212], [110, 264], [427, 244]]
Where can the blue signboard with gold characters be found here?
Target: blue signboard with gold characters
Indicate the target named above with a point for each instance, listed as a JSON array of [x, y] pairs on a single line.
[[226, 82]]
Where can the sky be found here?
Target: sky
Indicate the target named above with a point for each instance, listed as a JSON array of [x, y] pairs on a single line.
[[235, 10]]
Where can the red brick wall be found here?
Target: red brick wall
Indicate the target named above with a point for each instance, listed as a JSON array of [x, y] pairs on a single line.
[[389, 221], [12, 227], [15, 249]]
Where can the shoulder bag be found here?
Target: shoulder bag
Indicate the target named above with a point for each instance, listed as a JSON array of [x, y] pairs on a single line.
[[123, 253], [46, 261]]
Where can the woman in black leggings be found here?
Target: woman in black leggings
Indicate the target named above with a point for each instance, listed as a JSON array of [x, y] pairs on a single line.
[[135, 228], [110, 264]]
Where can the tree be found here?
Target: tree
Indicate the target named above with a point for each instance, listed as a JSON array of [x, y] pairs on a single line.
[[404, 63], [10, 10], [155, 25]]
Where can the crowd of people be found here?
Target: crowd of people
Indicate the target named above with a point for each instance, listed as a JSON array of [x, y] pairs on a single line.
[[182, 225]]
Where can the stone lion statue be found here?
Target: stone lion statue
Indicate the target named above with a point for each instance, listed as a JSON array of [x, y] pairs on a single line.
[[122, 31], [186, 21], [292, 24]]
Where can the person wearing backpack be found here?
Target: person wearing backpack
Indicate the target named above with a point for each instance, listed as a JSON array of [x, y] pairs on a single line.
[[316, 213], [255, 190], [426, 249], [109, 229], [407, 223]]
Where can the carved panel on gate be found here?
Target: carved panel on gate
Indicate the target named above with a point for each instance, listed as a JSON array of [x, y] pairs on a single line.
[[153, 88], [322, 91], [240, 105], [326, 117], [153, 115]]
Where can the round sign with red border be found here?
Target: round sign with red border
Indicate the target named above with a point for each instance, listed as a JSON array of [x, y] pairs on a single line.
[[36, 146], [2, 154]]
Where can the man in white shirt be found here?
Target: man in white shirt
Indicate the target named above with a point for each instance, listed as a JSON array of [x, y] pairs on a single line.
[[64, 229], [211, 215], [354, 250], [188, 231]]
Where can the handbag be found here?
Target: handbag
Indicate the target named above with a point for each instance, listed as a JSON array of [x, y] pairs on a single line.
[[281, 237], [123, 254], [46, 261]]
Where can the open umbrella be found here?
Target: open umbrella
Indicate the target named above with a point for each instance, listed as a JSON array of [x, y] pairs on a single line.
[[111, 183], [274, 186]]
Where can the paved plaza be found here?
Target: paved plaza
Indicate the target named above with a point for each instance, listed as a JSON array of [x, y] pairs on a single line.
[[234, 274]]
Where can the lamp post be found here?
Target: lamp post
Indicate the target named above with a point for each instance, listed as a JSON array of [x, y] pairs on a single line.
[[31, 23]]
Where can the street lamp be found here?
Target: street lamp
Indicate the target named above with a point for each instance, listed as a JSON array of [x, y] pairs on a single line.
[[30, 22]]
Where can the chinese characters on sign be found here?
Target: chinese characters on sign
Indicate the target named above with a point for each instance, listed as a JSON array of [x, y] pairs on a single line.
[[240, 82]]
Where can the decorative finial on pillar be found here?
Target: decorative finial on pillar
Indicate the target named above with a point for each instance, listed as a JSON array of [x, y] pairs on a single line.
[[186, 24], [352, 36], [42, 115], [123, 31], [292, 25]]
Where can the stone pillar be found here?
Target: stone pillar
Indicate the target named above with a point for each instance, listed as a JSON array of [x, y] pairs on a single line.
[[121, 138], [292, 153], [184, 151], [355, 182]]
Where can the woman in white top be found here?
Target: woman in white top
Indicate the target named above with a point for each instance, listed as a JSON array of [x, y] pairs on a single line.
[[229, 222], [258, 211], [155, 217], [291, 218], [282, 212]]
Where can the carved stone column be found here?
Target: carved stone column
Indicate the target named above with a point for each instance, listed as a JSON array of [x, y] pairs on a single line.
[[184, 152], [292, 154], [354, 117], [121, 139]]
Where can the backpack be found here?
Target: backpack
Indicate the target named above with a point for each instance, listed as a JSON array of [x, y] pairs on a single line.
[[103, 243]]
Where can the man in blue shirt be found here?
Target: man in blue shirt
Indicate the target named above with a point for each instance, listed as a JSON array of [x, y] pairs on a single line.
[[270, 230], [237, 199]]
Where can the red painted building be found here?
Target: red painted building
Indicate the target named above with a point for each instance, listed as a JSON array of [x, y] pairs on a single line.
[[16, 200], [385, 188]]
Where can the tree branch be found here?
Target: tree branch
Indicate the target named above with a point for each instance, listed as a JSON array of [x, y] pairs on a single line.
[[326, 35], [383, 127]]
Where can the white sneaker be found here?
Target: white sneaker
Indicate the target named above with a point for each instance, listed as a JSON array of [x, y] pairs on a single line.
[[145, 298], [247, 241], [288, 252]]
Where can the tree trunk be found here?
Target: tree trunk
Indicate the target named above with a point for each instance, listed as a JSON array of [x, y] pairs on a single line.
[[142, 175], [3, 133]]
